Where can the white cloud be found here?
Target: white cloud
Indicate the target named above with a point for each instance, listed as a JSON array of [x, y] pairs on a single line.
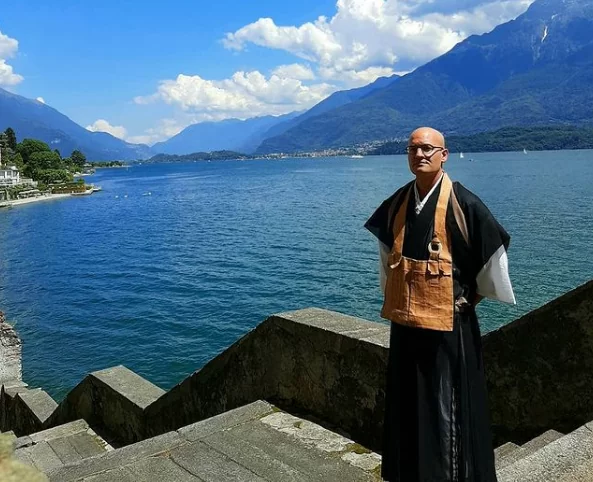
[[101, 125], [166, 129], [378, 34], [363, 40], [40, 99], [294, 71], [8, 49], [244, 95]]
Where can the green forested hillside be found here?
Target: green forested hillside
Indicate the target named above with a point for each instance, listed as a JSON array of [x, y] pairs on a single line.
[[509, 139], [512, 76]]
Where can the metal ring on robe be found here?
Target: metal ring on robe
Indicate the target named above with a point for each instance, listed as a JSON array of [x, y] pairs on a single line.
[[436, 250]]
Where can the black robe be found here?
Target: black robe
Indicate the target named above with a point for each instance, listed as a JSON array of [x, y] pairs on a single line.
[[436, 409]]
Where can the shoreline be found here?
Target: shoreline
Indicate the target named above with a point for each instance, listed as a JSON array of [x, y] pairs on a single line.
[[30, 200]]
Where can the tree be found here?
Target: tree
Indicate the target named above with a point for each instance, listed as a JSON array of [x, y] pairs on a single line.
[[17, 160], [49, 176], [41, 161], [11, 138], [78, 158], [29, 146], [58, 153]]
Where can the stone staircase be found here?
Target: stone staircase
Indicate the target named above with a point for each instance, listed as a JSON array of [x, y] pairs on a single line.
[[60, 446], [256, 442], [259, 442], [550, 457]]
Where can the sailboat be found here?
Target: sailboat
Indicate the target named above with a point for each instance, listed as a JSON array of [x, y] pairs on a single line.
[[461, 155], [524, 151]]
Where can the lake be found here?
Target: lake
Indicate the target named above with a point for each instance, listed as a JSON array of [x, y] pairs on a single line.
[[171, 263]]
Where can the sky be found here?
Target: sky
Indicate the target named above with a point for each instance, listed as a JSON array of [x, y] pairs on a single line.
[[144, 70]]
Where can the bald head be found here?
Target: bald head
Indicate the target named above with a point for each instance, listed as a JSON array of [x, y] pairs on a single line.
[[430, 135], [427, 153]]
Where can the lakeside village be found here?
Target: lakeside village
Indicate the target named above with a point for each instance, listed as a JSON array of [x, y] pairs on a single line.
[[30, 171]]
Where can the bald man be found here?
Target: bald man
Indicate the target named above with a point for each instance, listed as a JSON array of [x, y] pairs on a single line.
[[441, 252]]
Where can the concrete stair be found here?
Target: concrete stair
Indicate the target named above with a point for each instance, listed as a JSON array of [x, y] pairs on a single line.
[[551, 457], [59, 446], [256, 442]]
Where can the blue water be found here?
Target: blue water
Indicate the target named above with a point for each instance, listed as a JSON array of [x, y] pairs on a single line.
[[161, 283]]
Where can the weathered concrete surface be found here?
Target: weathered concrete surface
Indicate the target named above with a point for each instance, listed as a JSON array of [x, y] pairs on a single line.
[[113, 401], [332, 367], [539, 369], [251, 443], [328, 365], [59, 446], [568, 459], [24, 410], [13, 470], [10, 353]]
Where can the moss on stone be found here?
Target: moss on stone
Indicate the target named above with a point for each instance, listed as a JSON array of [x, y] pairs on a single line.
[[357, 449]]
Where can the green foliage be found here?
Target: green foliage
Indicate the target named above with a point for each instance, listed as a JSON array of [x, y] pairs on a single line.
[[50, 176], [199, 156], [11, 138], [107, 164], [17, 161], [36, 160], [78, 158], [39, 161], [69, 187], [509, 139], [30, 146]]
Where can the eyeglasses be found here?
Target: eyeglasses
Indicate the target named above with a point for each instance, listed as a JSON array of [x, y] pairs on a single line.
[[427, 149]]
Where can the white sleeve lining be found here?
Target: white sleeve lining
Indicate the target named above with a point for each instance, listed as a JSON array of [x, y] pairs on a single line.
[[383, 254], [493, 279]]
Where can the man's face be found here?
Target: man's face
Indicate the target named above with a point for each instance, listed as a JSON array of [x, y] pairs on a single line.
[[426, 152]]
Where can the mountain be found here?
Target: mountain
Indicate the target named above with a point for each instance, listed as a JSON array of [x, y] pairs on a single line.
[[535, 70], [337, 99], [33, 119], [230, 134]]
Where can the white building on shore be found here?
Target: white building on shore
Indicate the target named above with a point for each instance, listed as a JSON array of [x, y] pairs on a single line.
[[10, 176]]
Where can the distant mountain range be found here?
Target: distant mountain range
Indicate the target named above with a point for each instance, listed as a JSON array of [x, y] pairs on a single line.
[[246, 135], [33, 119], [535, 70], [229, 134]]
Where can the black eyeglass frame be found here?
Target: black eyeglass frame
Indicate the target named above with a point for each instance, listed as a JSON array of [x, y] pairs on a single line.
[[428, 154]]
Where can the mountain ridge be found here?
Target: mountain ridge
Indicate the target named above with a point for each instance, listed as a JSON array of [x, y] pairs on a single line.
[[33, 119], [480, 82]]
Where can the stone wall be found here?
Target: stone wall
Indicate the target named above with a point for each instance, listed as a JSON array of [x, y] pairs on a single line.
[[539, 369], [330, 367], [10, 353]]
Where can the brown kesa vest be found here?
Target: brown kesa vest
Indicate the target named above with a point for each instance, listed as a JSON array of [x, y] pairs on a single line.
[[419, 293]]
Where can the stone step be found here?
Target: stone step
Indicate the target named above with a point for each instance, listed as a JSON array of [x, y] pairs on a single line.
[[503, 452], [509, 453], [58, 446], [565, 459], [256, 442]]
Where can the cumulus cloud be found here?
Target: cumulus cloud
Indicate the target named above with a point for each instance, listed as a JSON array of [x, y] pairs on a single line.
[[379, 34], [363, 40], [245, 94], [166, 129], [294, 71], [8, 49], [101, 125]]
